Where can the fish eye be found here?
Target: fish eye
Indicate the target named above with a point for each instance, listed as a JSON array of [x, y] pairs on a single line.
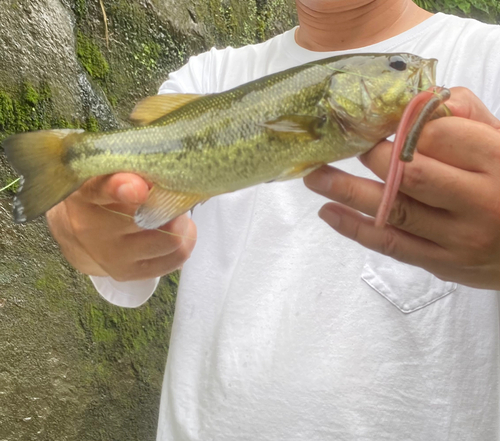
[[397, 63]]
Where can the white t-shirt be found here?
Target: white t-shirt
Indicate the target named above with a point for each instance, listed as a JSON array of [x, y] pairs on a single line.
[[285, 331]]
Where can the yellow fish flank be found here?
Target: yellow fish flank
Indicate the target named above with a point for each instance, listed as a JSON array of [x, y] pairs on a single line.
[[192, 147]]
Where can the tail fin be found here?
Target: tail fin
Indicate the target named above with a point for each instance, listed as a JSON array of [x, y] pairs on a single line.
[[45, 178]]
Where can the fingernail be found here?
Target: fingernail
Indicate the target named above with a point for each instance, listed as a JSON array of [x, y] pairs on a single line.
[[127, 193], [330, 216], [319, 180]]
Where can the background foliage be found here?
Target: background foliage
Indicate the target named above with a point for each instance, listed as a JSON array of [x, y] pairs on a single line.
[[487, 11]]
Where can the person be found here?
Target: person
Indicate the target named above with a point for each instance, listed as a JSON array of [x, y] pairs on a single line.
[[285, 329]]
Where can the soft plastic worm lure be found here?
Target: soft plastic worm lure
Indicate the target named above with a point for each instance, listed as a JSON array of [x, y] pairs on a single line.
[[418, 112]]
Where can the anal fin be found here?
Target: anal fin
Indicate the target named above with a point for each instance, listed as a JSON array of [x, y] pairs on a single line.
[[163, 206]]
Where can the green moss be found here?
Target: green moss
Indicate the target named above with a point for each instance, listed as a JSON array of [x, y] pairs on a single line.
[[123, 331], [229, 22], [129, 334], [92, 124], [80, 8], [49, 279], [91, 57], [50, 282], [12, 188], [63, 123], [44, 91], [32, 109], [52, 285], [101, 326], [30, 94], [113, 100], [149, 55]]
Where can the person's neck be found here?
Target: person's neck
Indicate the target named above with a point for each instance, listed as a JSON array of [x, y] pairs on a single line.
[[327, 25]]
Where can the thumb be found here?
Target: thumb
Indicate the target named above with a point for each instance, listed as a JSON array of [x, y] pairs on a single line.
[[464, 104], [122, 188]]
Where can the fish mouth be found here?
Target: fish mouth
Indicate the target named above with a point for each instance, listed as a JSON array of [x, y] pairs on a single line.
[[427, 77]]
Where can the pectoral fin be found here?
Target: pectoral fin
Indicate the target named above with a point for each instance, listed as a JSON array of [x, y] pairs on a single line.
[[152, 108], [163, 206], [296, 125]]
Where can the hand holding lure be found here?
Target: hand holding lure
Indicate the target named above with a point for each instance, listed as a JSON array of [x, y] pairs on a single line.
[[419, 111]]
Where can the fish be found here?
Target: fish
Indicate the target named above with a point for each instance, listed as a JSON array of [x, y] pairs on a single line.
[[194, 147]]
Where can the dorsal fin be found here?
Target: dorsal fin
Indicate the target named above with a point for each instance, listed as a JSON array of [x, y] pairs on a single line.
[[155, 107]]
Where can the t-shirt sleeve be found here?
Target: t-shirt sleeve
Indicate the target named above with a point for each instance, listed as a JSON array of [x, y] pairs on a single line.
[[188, 79], [127, 294], [194, 77]]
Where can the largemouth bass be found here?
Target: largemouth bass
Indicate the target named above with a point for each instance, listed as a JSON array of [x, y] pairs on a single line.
[[192, 147]]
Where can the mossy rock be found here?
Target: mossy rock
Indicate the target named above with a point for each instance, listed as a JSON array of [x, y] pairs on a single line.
[[91, 57], [74, 367]]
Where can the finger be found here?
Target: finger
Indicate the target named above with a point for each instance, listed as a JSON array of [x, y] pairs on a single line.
[[359, 193], [155, 267], [469, 140], [464, 104], [98, 222], [148, 244], [365, 195], [161, 266], [462, 143], [389, 241], [125, 188], [428, 180]]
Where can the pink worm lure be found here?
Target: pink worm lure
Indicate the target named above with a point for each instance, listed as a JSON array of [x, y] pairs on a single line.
[[419, 111]]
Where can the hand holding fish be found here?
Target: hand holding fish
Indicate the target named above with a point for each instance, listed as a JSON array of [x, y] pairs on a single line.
[[446, 218], [97, 241]]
